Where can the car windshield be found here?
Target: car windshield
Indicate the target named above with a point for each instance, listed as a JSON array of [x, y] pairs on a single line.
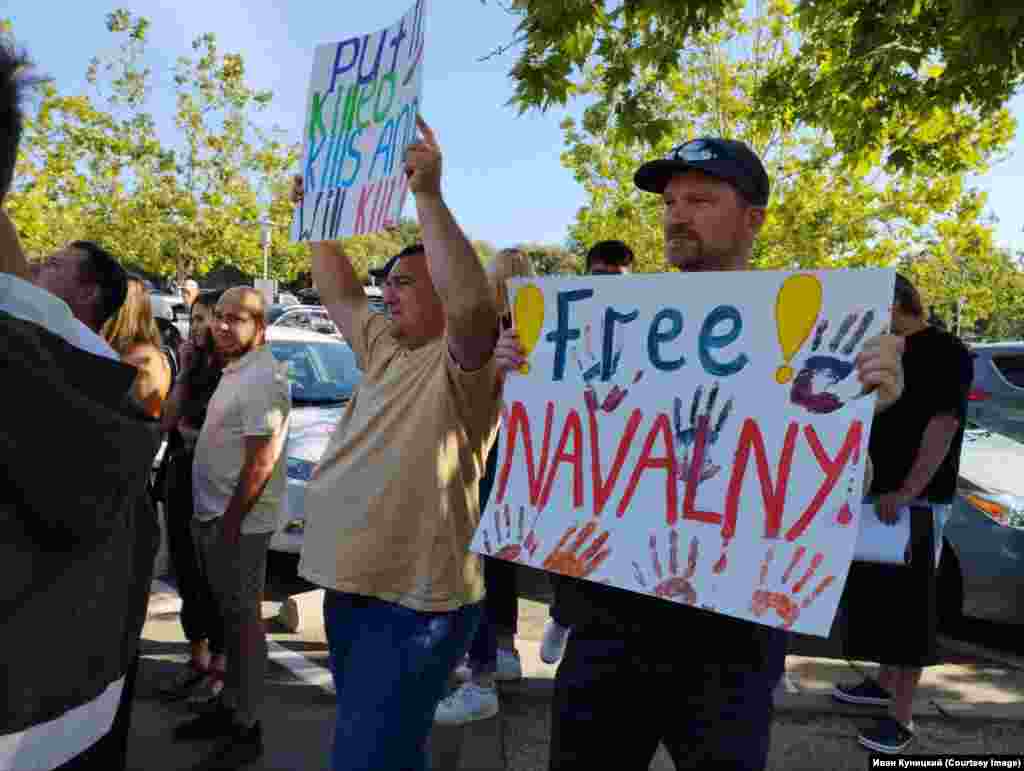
[[320, 374]]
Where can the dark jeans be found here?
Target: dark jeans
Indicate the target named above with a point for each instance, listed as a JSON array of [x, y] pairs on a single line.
[[200, 615], [391, 666], [500, 615], [708, 715]]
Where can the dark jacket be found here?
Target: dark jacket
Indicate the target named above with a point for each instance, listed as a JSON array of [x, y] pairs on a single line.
[[78, 534]]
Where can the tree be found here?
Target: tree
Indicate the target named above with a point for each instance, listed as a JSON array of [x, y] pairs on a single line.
[[92, 166], [871, 72], [828, 209], [552, 260]]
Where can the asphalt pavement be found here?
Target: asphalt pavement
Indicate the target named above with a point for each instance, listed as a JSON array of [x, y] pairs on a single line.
[[974, 700]]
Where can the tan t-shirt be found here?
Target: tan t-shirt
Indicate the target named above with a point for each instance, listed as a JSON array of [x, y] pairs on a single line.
[[394, 502], [253, 398]]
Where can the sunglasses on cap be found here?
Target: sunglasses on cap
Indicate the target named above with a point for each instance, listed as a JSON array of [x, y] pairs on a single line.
[[698, 150]]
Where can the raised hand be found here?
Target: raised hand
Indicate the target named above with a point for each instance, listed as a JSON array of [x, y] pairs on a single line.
[[423, 162], [569, 562]]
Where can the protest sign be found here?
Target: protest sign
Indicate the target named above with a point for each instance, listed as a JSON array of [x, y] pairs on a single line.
[[697, 437], [360, 117]]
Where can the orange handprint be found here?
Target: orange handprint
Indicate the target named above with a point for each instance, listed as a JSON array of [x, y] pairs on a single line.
[[566, 560], [788, 607], [514, 551], [676, 587]]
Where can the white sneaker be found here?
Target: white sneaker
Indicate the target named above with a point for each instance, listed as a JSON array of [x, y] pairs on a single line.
[[463, 672], [553, 645], [466, 704], [509, 667]]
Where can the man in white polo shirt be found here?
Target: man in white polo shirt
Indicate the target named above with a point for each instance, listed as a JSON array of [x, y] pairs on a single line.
[[238, 480]]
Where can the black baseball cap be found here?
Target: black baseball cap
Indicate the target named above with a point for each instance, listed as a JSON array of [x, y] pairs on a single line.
[[382, 272], [727, 159]]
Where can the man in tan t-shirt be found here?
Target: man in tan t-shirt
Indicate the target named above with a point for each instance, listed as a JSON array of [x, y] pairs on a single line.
[[393, 505]]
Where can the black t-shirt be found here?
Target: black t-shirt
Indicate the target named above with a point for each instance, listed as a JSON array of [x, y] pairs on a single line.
[[938, 369]]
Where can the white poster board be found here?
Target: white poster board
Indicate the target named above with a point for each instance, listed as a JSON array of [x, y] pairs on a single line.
[[360, 117], [697, 437]]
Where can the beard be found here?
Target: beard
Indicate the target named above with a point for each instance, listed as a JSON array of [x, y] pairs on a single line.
[[687, 251]]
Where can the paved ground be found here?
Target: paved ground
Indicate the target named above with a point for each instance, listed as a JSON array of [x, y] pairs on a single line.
[[972, 703]]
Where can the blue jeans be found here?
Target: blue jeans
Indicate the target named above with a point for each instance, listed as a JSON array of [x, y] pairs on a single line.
[[391, 666]]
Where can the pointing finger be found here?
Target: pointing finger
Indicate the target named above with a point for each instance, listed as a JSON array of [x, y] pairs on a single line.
[[428, 133]]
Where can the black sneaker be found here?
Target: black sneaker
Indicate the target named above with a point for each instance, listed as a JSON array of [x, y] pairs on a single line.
[[887, 735], [182, 683], [213, 725], [868, 692], [241, 747]]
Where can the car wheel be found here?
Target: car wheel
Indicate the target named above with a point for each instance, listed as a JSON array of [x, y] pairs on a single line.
[[950, 592]]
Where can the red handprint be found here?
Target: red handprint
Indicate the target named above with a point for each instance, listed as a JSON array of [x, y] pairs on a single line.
[[786, 606], [566, 560], [676, 587], [616, 394], [515, 551]]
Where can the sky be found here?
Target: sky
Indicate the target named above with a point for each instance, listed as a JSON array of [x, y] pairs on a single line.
[[503, 177]]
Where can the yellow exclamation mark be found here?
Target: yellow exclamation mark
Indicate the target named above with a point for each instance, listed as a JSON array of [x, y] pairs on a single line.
[[796, 309], [528, 317]]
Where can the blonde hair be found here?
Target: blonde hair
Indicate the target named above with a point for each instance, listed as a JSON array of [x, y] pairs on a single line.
[[134, 323], [508, 263]]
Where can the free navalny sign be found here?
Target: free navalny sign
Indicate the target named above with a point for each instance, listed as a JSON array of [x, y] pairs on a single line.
[[697, 437], [360, 117]]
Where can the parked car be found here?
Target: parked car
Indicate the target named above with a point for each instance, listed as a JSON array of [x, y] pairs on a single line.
[[996, 400], [310, 317], [323, 375], [287, 299], [981, 570], [171, 307]]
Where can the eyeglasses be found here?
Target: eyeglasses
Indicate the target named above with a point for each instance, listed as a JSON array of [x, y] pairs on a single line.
[[698, 150], [231, 319]]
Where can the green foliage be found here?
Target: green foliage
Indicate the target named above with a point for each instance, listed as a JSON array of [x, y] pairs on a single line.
[[828, 209], [552, 260], [876, 74], [92, 165]]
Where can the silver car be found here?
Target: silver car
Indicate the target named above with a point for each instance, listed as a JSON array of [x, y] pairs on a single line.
[[981, 570], [323, 375], [996, 400]]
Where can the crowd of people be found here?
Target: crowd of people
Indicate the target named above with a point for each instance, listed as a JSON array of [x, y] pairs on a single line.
[[393, 503]]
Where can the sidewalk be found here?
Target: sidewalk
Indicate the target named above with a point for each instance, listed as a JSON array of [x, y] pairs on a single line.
[[973, 703]]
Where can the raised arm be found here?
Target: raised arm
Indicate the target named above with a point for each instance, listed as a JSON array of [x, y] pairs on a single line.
[[340, 289], [455, 269]]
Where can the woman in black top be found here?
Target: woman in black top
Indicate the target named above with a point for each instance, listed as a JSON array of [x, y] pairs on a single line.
[[184, 413]]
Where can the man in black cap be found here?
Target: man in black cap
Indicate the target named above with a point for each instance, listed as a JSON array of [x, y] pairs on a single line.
[[638, 670]]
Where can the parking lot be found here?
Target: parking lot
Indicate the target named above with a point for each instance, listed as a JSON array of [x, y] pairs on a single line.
[[973, 703]]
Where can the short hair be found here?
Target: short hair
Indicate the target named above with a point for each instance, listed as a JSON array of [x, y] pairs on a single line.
[[610, 253], [108, 275], [208, 298], [907, 298], [13, 82], [417, 248]]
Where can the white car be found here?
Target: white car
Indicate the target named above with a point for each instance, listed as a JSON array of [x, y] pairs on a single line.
[[169, 306], [313, 318], [323, 375]]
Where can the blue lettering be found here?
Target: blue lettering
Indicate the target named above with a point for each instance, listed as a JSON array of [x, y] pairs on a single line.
[[338, 69], [709, 341], [562, 333], [368, 77], [611, 318], [656, 337], [385, 147]]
